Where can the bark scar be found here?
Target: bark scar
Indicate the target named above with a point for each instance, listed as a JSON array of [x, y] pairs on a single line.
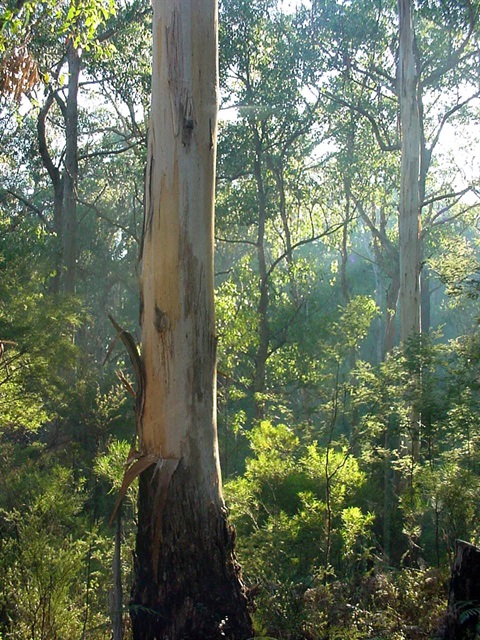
[[149, 213], [161, 321], [189, 121], [212, 142]]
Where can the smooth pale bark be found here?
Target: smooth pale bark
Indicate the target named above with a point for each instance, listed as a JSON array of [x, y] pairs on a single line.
[[410, 204], [409, 215], [187, 582]]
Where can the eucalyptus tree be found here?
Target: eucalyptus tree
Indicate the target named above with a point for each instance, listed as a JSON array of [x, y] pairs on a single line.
[[59, 107], [405, 72], [74, 25], [410, 207], [269, 204], [187, 582]]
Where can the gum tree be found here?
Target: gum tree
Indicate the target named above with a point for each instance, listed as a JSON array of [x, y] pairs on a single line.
[[187, 579]]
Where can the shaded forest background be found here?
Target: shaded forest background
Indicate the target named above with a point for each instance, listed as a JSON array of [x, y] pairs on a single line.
[[346, 509]]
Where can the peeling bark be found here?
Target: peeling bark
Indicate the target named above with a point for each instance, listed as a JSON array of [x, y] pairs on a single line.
[[187, 580]]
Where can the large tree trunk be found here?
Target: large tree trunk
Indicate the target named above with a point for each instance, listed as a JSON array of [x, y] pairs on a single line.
[[409, 215], [187, 582]]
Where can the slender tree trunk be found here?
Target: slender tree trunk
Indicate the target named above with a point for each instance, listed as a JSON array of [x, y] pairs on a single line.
[[386, 256], [344, 258], [278, 174], [348, 214], [379, 324], [116, 606], [410, 203], [57, 182], [409, 215], [387, 495], [386, 266], [426, 302], [391, 310], [259, 382], [70, 179], [187, 581]]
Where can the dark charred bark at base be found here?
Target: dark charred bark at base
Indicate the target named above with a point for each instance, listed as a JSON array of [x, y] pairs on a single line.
[[463, 615], [195, 592]]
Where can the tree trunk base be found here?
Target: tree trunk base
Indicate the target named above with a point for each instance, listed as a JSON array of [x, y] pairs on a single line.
[[194, 591], [463, 613]]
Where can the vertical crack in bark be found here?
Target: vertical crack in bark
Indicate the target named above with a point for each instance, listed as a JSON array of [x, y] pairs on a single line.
[[150, 213], [165, 468]]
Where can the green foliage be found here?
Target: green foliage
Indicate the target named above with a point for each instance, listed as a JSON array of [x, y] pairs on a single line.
[[339, 523], [36, 330], [78, 18], [291, 500], [404, 606], [109, 466], [309, 514], [52, 560]]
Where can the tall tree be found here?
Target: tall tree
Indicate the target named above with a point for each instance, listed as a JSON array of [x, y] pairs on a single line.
[[70, 178], [270, 203], [413, 65], [54, 76], [409, 214], [187, 582]]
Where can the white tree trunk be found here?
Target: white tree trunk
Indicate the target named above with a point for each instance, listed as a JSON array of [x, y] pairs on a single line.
[[187, 580], [178, 331], [409, 215], [410, 208]]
